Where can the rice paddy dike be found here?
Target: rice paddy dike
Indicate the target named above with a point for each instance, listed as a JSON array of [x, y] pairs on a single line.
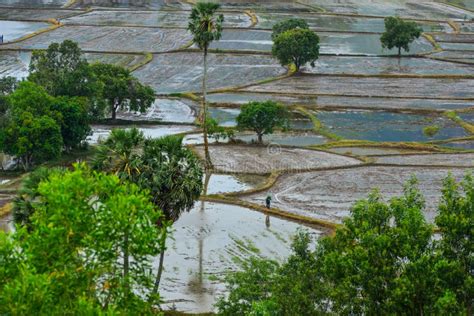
[[362, 118]]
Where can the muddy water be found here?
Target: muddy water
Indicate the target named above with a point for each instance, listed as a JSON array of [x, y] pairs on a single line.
[[101, 132], [224, 183], [166, 110], [210, 242], [12, 30]]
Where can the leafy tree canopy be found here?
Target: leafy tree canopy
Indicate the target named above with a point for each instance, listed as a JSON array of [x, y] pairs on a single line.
[[296, 46], [63, 71], [263, 117], [399, 33], [85, 229], [37, 127], [287, 25], [121, 90]]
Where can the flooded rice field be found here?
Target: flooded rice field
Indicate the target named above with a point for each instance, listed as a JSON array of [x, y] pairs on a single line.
[[321, 22], [383, 65], [165, 110], [388, 127], [213, 240], [13, 30], [111, 38], [329, 194], [379, 119], [101, 132], [370, 87], [150, 18], [466, 160], [231, 183], [258, 159], [330, 43], [182, 72]]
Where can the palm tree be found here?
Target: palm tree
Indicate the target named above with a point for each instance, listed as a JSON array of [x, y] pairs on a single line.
[[206, 28], [120, 154], [170, 172], [173, 176]]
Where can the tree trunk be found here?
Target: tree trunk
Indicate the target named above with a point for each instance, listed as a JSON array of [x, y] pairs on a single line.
[[160, 265], [126, 262], [260, 138], [399, 52], [114, 112], [208, 163]]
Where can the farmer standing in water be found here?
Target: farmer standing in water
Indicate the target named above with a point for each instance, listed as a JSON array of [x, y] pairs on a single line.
[[268, 201]]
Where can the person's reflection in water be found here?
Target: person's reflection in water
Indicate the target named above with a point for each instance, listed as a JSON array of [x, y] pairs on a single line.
[[267, 221]]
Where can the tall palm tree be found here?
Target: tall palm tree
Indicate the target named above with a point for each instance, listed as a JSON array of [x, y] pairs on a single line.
[[173, 176], [206, 27], [168, 170]]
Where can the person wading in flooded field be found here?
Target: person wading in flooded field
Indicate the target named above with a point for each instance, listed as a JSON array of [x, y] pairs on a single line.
[[268, 201]]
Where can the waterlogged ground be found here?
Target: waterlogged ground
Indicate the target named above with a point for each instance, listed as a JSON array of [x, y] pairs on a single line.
[[329, 195], [375, 119], [213, 240]]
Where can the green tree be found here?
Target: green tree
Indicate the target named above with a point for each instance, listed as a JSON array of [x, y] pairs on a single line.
[[173, 175], [169, 171], [399, 33], [456, 224], [373, 260], [31, 139], [382, 261], [264, 287], [215, 131], [63, 71], [287, 25], [37, 127], [28, 194], [74, 120], [8, 85], [262, 117], [205, 27], [296, 46], [121, 90], [77, 254]]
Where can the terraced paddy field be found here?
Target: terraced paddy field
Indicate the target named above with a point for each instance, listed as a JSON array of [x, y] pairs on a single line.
[[150, 18], [439, 88], [182, 72], [14, 30], [362, 119], [328, 195], [111, 38], [330, 43], [322, 22]]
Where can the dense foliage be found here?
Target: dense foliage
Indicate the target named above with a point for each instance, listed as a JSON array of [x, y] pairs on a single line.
[[384, 260], [121, 90], [297, 47], [287, 25], [399, 33], [63, 71], [263, 117], [36, 127], [164, 167], [86, 250]]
